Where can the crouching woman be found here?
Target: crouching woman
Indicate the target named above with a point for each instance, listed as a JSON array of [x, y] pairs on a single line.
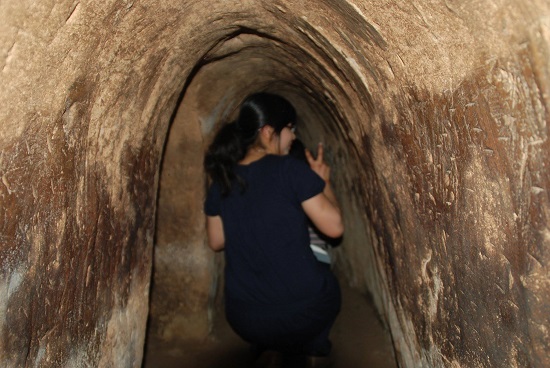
[[277, 296]]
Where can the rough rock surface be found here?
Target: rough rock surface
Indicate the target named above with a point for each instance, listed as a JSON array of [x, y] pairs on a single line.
[[436, 118]]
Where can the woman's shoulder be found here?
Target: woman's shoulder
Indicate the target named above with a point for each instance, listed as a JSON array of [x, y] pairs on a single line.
[[283, 160], [285, 163]]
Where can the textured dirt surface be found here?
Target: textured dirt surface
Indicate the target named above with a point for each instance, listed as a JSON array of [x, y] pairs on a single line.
[[359, 341]]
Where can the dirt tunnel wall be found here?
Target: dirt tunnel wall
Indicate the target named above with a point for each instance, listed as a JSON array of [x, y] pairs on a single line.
[[435, 113]]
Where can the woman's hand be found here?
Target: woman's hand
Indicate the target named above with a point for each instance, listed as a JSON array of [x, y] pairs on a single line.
[[318, 164]]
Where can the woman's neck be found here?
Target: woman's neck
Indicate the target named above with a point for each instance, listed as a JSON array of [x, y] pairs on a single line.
[[266, 145], [253, 154]]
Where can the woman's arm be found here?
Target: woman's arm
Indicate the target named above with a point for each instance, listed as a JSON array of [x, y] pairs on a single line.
[[324, 213], [323, 209], [214, 231]]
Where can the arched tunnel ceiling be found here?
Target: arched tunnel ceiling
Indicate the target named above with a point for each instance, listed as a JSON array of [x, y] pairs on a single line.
[[248, 63], [436, 113]]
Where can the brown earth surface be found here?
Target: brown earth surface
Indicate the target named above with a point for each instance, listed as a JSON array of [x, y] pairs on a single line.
[[359, 340]]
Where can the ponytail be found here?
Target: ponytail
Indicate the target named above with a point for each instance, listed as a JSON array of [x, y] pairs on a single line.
[[224, 153]]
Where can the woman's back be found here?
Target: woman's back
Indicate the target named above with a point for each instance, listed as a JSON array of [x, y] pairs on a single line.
[[268, 258]]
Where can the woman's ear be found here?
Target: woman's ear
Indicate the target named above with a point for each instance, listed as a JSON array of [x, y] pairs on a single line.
[[267, 132], [269, 139]]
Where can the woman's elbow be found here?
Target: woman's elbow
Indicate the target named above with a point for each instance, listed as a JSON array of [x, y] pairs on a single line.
[[336, 231], [216, 242], [216, 246], [333, 227]]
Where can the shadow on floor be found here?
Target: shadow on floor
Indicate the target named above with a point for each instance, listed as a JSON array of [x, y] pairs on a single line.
[[359, 340]]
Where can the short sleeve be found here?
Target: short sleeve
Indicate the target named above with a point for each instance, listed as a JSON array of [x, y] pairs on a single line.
[[213, 201], [305, 183]]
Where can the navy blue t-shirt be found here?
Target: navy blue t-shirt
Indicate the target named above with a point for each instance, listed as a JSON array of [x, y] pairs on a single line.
[[268, 258]]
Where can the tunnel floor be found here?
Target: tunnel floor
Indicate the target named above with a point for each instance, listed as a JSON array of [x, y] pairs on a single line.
[[359, 340]]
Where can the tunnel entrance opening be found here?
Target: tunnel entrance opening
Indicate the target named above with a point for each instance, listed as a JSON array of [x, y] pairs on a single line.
[[185, 308]]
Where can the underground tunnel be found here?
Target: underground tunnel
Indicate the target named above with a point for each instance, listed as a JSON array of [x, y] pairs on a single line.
[[435, 116]]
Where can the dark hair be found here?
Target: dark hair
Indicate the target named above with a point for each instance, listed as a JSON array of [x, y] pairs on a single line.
[[298, 150], [233, 140]]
